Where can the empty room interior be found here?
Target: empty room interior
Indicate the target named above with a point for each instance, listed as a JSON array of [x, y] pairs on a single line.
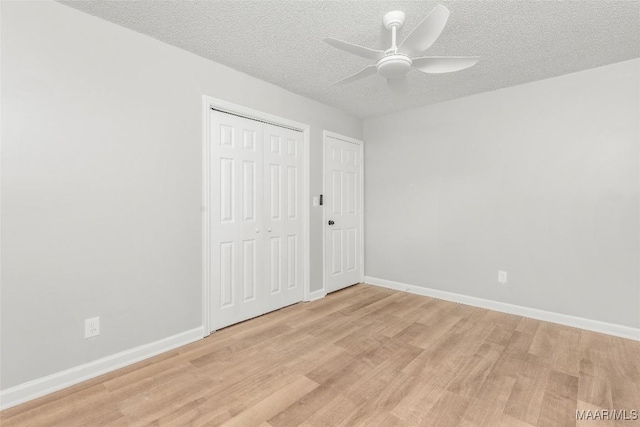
[[320, 213]]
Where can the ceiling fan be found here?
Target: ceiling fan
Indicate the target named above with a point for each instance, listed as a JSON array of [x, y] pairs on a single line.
[[395, 62]]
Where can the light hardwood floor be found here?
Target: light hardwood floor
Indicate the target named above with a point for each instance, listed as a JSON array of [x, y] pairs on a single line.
[[363, 356]]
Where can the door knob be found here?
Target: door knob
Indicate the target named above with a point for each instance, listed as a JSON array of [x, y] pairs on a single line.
[[331, 222], [257, 230], [269, 229]]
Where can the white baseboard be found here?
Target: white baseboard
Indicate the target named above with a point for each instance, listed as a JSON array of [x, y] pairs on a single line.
[[39, 387], [320, 293], [533, 313]]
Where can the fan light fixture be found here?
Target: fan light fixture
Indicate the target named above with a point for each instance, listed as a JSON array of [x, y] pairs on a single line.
[[394, 63]]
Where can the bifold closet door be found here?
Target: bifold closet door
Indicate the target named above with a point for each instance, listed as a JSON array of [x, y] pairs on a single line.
[[256, 224], [283, 217]]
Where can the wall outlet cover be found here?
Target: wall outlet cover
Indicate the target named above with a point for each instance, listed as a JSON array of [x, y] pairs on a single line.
[[502, 276], [92, 327]]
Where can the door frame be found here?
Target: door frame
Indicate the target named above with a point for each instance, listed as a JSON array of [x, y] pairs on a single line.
[[326, 134], [209, 103]]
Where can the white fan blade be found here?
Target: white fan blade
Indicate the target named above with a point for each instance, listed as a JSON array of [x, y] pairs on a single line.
[[399, 85], [423, 36], [444, 64], [366, 71], [365, 52]]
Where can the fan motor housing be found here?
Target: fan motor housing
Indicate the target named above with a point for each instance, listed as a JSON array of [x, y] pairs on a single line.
[[394, 66]]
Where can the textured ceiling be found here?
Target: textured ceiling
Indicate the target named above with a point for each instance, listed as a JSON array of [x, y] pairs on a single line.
[[281, 42]]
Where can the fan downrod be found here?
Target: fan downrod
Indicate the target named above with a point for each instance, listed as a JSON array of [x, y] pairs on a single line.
[[393, 65]]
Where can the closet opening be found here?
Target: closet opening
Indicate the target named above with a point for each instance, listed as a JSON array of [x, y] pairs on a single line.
[[255, 213]]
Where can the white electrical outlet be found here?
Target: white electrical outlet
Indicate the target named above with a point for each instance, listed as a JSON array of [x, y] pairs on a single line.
[[92, 327], [502, 276]]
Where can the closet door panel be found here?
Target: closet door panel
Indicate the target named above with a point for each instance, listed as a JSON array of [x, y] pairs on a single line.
[[237, 258], [284, 221]]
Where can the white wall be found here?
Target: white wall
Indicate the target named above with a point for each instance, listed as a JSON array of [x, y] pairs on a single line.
[[101, 184], [540, 180]]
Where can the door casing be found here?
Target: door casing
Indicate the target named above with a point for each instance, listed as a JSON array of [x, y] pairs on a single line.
[[326, 134], [209, 103]]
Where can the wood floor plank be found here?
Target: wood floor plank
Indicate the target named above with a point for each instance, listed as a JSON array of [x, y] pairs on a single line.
[[566, 356], [333, 413], [480, 414], [222, 404], [391, 421], [413, 408], [594, 386], [470, 378], [273, 404], [426, 336], [507, 421], [496, 389], [500, 336], [544, 341], [528, 326], [447, 412], [526, 398], [383, 379], [332, 377], [363, 356], [381, 397], [559, 401]]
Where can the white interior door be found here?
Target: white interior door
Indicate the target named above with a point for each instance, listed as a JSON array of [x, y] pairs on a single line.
[[343, 212], [256, 224], [283, 220]]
